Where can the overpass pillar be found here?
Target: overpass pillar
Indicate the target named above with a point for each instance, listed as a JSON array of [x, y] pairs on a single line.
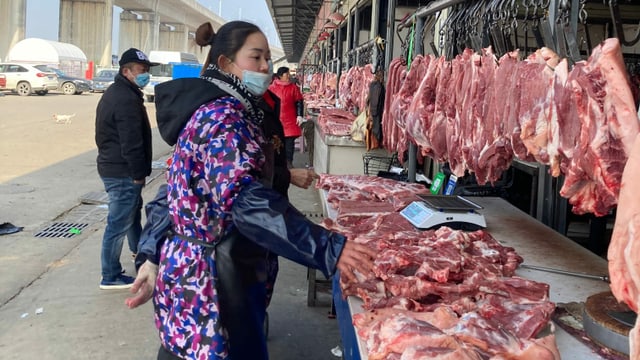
[[13, 14], [174, 37], [88, 25], [139, 30]]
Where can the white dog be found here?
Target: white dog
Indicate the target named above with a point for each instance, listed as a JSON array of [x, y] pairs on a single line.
[[63, 119]]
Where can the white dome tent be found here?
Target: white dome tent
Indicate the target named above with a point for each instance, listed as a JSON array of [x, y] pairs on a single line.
[[64, 56]]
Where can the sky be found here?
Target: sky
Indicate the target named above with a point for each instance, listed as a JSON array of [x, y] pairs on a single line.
[[42, 17]]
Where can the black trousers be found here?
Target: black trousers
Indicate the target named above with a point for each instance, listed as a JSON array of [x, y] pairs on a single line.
[[289, 147]]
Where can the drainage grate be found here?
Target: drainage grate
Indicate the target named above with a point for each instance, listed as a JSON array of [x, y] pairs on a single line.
[[61, 229], [74, 221]]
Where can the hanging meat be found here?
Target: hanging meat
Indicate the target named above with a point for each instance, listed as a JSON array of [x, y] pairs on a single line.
[[624, 263], [393, 134], [400, 103], [609, 124], [580, 122], [422, 107], [496, 152]]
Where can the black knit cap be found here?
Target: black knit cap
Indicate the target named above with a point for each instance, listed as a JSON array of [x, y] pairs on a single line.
[[136, 56]]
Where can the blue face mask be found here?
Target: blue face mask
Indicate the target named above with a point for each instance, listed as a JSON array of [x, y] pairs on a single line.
[[142, 79], [256, 82]]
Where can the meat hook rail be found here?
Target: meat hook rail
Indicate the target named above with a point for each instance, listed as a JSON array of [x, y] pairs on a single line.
[[604, 278]]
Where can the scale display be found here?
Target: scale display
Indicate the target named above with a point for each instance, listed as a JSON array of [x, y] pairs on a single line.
[[433, 211]]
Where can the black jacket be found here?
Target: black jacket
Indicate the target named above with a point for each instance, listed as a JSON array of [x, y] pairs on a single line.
[[176, 101], [274, 133], [123, 132], [376, 107]]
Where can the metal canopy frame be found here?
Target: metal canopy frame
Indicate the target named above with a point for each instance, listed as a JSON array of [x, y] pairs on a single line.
[[294, 20]]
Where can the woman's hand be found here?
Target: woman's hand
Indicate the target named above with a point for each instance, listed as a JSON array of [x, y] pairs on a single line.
[[143, 285], [302, 178], [355, 256]]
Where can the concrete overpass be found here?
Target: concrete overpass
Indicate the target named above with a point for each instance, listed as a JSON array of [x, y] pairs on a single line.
[[144, 24]]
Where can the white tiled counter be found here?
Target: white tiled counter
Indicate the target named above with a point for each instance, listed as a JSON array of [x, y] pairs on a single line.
[[338, 155]]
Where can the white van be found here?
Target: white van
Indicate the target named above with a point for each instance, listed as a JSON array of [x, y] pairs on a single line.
[[164, 71]]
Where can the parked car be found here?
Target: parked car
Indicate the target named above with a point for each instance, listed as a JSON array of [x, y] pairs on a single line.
[[25, 79], [68, 84], [103, 80]]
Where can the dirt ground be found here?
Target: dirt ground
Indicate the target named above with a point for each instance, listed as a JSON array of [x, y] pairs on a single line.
[[31, 139]]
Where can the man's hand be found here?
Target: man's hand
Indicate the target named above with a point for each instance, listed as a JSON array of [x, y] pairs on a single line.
[[299, 120], [302, 178], [355, 256], [143, 285]]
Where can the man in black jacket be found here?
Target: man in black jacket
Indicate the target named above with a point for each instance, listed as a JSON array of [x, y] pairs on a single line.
[[123, 137]]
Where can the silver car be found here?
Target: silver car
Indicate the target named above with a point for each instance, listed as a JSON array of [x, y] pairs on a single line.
[[25, 79]]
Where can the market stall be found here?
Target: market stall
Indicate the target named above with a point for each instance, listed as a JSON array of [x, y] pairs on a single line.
[[475, 92], [545, 259]]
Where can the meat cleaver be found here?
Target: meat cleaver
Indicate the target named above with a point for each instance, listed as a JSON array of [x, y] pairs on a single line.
[[627, 318]]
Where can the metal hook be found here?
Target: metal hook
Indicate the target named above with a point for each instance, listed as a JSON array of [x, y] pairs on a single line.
[[617, 22]]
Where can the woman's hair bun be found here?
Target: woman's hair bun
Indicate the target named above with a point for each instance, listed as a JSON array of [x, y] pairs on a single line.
[[205, 34]]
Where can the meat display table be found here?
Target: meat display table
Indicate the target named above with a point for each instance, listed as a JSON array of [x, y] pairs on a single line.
[[338, 155], [538, 245]]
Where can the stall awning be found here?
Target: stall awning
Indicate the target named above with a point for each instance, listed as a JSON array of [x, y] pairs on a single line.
[[294, 20]]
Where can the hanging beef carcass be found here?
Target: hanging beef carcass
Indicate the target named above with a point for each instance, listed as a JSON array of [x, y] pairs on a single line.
[[497, 154], [564, 124], [422, 107], [536, 80], [442, 111], [578, 122], [400, 103], [609, 125], [331, 83], [360, 88], [314, 84], [483, 111], [393, 134], [344, 88], [624, 262], [478, 98], [457, 126]]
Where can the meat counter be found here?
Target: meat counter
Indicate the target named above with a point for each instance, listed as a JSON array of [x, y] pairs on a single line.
[[339, 155], [537, 244]]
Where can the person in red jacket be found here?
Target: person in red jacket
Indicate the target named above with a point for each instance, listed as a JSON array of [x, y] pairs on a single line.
[[291, 109]]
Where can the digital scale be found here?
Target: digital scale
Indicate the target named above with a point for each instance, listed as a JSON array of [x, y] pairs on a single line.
[[453, 211]]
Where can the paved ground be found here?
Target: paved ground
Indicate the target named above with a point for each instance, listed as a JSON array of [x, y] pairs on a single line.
[[47, 168]]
